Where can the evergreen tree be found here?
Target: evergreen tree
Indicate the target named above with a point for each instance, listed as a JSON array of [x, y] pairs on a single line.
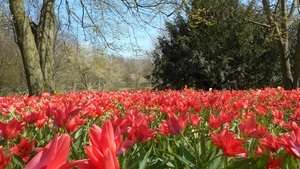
[[211, 48]]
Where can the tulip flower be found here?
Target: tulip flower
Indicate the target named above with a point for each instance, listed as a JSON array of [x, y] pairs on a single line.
[[177, 124], [291, 142], [269, 142], [4, 160], [23, 149], [138, 129], [164, 128], [194, 119], [64, 113], [214, 122], [11, 129], [274, 163], [251, 129], [74, 123], [53, 155], [140, 133], [230, 145], [103, 146]]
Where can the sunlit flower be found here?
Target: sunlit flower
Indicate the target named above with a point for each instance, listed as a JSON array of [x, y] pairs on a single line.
[[53, 155], [230, 145], [291, 142], [194, 119], [11, 129], [269, 142], [104, 146], [4, 160], [63, 113], [214, 122], [23, 149], [249, 128], [177, 124], [139, 130], [274, 163]]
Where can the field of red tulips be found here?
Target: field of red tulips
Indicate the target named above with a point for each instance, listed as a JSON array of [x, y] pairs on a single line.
[[188, 129]]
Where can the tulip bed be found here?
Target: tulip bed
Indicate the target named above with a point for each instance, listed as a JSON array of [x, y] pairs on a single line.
[[185, 129]]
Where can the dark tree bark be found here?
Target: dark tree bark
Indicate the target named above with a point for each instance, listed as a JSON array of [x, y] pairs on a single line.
[[36, 43], [45, 37], [297, 61], [26, 42], [282, 35]]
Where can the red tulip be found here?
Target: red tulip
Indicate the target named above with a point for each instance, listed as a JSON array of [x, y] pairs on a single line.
[[138, 129], [11, 129], [230, 145], [4, 160], [53, 155], [274, 163], [251, 129], [102, 160], [259, 151], [104, 144], [62, 114], [291, 143], [105, 136], [291, 125], [269, 142], [194, 119], [164, 128], [39, 119], [177, 124], [140, 133], [74, 123], [23, 149], [81, 164], [214, 122]]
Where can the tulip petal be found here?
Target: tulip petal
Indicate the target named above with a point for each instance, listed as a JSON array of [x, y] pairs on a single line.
[[53, 155]]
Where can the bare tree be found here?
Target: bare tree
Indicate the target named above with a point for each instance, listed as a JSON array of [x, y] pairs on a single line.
[[12, 75], [279, 15], [36, 36], [36, 43], [279, 18]]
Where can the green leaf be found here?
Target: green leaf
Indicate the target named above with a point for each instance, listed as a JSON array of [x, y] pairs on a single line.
[[17, 163], [203, 146], [245, 163], [158, 164], [143, 163], [78, 133], [185, 161], [188, 156], [216, 163], [263, 161]]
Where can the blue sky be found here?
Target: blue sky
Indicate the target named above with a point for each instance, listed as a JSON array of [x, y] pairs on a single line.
[[145, 39], [120, 28]]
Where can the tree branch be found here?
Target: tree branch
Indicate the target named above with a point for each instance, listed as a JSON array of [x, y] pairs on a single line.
[[258, 23], [292, 10]]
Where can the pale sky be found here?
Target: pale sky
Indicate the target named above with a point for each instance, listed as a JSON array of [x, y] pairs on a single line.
[[135, 36]]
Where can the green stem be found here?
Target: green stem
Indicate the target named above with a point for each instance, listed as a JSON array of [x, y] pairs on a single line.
[[298, 163], [189, 144], [225, 162]]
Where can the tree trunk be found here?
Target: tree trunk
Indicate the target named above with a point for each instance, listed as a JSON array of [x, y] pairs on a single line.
[[287, 78], [283, 39], [26, 42], [45, 37], [283, 43], [297, 61], [36, 43]]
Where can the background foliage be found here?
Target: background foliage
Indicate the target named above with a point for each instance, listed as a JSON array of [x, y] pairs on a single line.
[[212, 48]]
